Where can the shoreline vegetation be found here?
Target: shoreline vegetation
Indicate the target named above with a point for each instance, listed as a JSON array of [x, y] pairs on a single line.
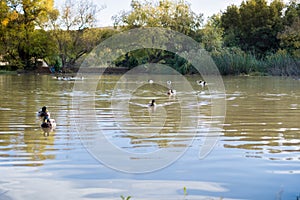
[[228, 63], [267, 43]]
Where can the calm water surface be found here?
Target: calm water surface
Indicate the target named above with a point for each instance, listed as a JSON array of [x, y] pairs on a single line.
[[257, 155]]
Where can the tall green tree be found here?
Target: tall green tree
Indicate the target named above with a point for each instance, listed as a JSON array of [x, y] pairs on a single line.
[[292, 12], [254, 25], [230, 21], [212, 33], [19, 20], [176, 15], [290, 38], [169, 14]]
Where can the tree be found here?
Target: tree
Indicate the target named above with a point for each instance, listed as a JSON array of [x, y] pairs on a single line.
[[290, 38], [177, 16], [292, 12], [169, 14], [19, 19], [254, 25], [71, 30], [230, 21], [212, 33]]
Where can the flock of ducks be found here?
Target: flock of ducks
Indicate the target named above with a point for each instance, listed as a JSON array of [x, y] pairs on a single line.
[[172, 92], [65, 78], [48, 124]]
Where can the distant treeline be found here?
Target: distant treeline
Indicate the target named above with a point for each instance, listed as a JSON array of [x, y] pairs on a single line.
[[255, 37]]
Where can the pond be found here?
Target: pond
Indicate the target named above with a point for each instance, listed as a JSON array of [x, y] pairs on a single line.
[[256, 154]]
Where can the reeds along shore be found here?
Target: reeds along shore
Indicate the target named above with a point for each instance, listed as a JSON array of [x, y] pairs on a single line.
[[238, 62]]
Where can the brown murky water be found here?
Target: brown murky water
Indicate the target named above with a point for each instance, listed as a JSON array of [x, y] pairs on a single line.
[[257, 155]]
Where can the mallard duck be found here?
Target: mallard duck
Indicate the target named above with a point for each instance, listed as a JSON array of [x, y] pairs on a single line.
[[201, 83], [43, 113]]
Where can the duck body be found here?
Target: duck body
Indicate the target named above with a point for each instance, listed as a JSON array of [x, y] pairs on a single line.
[[49, 123], [43, 113], [152, 103], [201, 83]]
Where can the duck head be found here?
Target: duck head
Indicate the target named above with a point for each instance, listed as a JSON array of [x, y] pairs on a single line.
[[44, 109]]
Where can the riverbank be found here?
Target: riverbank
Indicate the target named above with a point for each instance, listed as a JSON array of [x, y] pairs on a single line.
[[228, 64], [7, 72]]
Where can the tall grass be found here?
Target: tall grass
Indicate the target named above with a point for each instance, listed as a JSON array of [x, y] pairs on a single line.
[[282, 64], [236, 62]]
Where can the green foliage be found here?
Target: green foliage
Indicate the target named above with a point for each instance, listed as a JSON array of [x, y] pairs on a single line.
[[230, 20], [6, 71], [282, 64], [292, 12], [290, 38], [234, 61], [253, 26], [144, 56], [211, 34], [17, 33], [70, 36], [254, 37], [177, 16], [125, 198], [184, 191], [73, 45], [71, 30]]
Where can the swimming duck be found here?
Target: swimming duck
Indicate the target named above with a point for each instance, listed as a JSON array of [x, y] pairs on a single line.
[[169, 82], [201, 83], [43, 113], [171, 92], [152, 103], [150, 81]]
